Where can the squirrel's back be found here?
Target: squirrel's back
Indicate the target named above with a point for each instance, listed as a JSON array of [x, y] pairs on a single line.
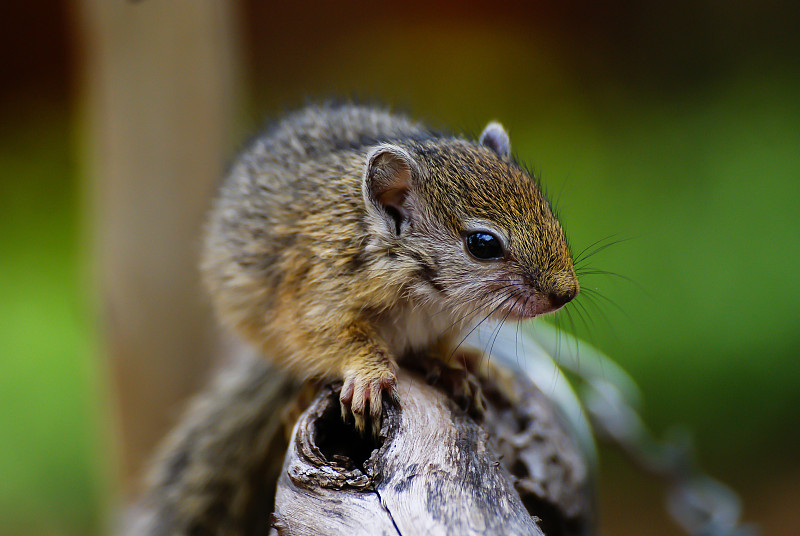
[[318, 131]]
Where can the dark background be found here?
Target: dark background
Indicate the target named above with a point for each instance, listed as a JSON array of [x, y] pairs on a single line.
[[672, 125]]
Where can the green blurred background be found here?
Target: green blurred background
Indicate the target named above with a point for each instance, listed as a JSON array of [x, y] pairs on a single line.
[[672, 125]]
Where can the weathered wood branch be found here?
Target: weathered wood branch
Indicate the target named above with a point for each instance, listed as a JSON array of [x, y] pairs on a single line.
[[432, 470]]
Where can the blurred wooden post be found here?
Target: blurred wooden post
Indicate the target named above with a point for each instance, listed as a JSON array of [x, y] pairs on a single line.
[[158, 108]]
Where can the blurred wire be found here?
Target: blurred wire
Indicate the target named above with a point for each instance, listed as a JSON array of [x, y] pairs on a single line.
[[701, 505]]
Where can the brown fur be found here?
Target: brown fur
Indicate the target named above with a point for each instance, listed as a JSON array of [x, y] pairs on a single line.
[[337, 244]]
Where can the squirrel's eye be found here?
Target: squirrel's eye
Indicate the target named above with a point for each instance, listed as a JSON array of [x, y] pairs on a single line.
[[484, 246]]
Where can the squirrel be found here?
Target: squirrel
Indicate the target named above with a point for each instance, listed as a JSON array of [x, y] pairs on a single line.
[[347, 237]]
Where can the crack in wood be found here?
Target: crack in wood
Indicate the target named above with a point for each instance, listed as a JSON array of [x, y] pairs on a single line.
[[389, 512]]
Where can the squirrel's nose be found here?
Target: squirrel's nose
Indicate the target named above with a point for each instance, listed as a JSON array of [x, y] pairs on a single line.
[[559, 298]]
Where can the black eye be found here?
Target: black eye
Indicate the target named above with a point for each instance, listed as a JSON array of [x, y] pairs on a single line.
[[484, 246]]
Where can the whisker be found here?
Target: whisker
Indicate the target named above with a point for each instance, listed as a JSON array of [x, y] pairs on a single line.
[[557, 356], [500, 326], [591, 271], [516, 334], [568, 312], [598, 249], [473, 298], [580, 309], [599, 312], [557, 322], [476, 327], [595, 293], [478, 308], [579, 256]]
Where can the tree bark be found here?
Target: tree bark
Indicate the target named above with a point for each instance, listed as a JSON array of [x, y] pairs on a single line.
[[433, 469]]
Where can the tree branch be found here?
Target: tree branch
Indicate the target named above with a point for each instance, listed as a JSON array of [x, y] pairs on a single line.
[[432, 470]]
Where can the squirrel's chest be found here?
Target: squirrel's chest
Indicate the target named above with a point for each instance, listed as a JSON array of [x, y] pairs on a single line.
[[406, 327]]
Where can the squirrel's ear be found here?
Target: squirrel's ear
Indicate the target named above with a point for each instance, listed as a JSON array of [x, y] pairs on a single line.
[[495, 137], [387, 183]]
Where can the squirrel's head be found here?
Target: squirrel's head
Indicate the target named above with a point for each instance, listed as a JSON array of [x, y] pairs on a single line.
[[471, 223]]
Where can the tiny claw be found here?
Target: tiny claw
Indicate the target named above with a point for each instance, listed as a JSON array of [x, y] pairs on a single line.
[[346, 398], [360, 422], [377, 388], [375, 402], [359, 406], [362, 390], [474, 404]]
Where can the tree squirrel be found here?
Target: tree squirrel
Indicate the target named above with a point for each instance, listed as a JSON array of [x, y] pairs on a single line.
[[346, 237]]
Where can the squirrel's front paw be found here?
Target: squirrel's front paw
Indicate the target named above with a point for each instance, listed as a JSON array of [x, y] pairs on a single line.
[[364, 388]]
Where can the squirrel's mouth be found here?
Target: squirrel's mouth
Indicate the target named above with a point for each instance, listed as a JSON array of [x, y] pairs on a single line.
[[525, 307]]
